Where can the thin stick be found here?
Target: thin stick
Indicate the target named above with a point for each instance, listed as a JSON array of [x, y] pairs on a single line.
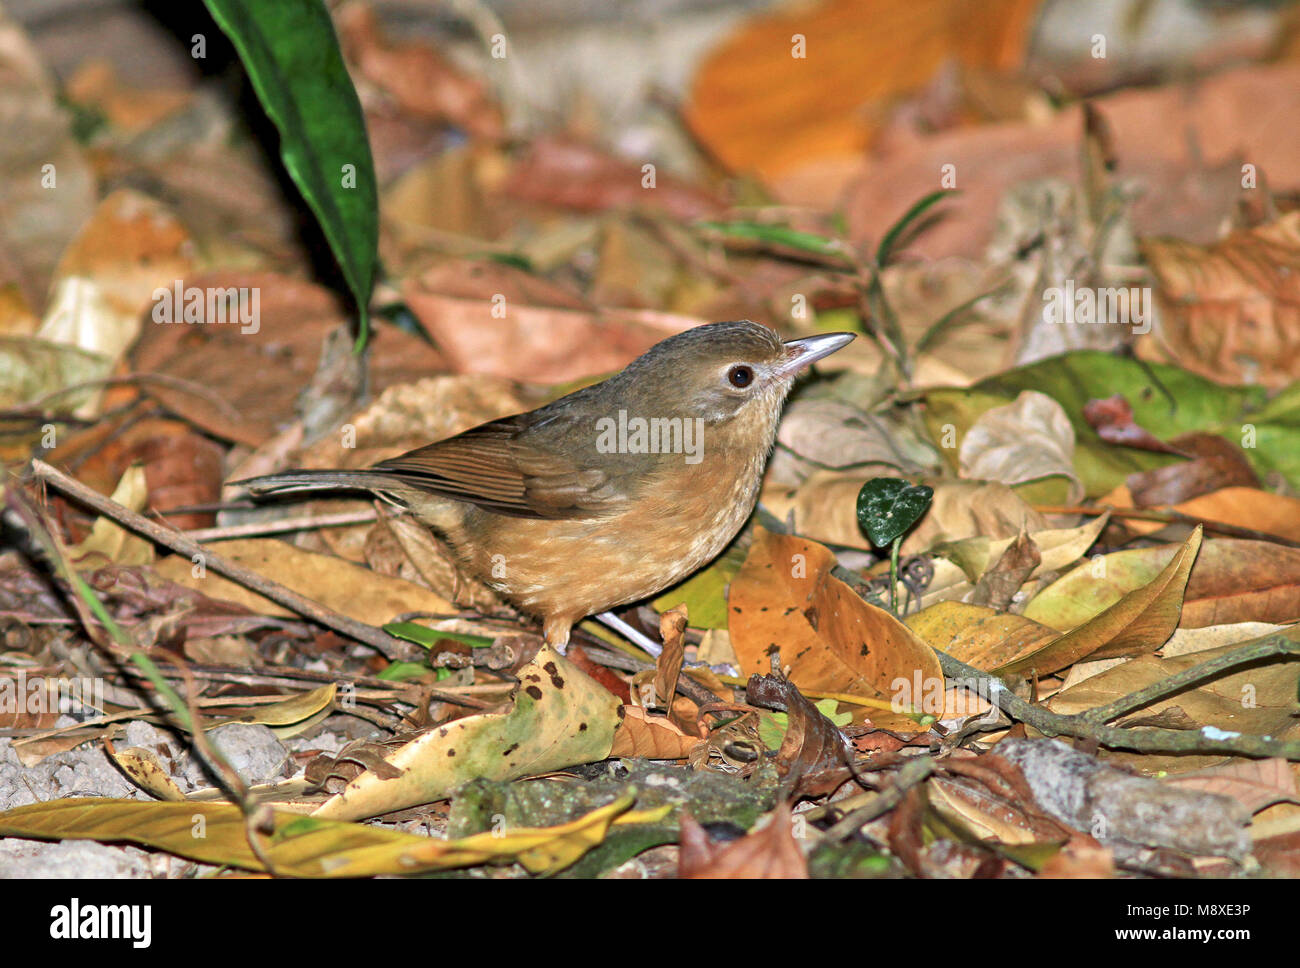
[[257, 528], [911, 774], [374, 637]]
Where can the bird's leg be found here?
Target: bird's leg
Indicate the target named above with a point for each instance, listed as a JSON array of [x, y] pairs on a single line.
[[556, 632], [638, 638]]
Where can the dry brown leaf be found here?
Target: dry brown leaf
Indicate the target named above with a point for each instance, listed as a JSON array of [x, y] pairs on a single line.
[[1258, 701], [495, 319], [1232, 581], [1242, 507], [1138, 623], [97, 85], [413, 76], [346, 588], [568, 174], [1256, 784], [38, 216], [653, 737], [770, 853], [978, 635], [1182, 148], [760, 106], [832, 641], [1231, 311], [814, 755], [999, 585], [672, 630]]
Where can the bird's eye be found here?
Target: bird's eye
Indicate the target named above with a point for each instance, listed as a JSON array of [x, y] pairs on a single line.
[[740, 376]]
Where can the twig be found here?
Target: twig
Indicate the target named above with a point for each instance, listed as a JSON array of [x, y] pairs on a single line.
[[303, 523], [374, 637], [163, 379], [913, 772], [1091, 724]]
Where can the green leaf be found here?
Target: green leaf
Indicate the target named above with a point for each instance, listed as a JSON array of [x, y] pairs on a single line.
[[401, 671], [888, 506], [895, 233], [292, 57], [777, 235], [704, 593], [427, 637]]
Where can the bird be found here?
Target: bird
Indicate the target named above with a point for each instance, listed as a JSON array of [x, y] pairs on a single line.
[[608, 495]]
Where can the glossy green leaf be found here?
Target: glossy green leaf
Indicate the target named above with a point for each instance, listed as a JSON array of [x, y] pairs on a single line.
[[888, 506]]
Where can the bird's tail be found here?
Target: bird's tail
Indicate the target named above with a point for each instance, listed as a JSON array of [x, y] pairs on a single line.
[[321, 481]]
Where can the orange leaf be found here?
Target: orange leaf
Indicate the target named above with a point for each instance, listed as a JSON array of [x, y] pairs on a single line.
[[833, 641]]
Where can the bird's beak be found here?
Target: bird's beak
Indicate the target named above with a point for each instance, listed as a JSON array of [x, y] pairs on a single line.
[[801, 352]]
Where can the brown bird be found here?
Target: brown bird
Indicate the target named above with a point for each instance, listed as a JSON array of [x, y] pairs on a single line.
[[612, 493]]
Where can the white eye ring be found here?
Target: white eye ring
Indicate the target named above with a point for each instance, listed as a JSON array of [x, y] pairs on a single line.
[[741, 376]]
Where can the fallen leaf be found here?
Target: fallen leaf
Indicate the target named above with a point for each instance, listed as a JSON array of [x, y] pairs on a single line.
[[653, 737], [769, 853], [831, 62], [1140, 622], [832, 641], [561, 717], [1027, 440], [1231, 581], [337, 584], [1229, 310]]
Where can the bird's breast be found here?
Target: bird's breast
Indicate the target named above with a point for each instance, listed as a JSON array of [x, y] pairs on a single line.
[[678, 518]]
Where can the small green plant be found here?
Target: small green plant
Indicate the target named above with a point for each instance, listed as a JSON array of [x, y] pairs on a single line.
[[887, 509]]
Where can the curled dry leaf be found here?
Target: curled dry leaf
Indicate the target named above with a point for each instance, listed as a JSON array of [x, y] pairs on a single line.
[[999, 585], [672, 629], [1231, 581], [1138, 623], [654, 737], [988, 796], [814, 756]]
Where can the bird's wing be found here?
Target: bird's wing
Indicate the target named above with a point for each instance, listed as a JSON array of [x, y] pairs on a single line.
[[514, 466]]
